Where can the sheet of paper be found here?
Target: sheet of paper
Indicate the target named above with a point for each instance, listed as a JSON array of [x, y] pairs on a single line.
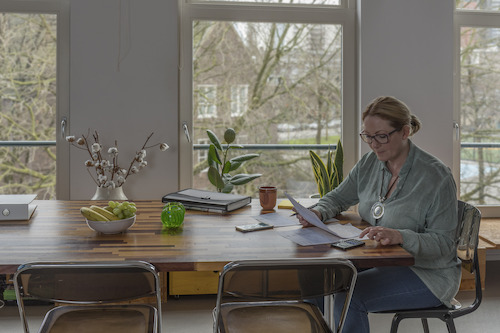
[[277, 219], [308, 236], [307, 214], [345, 230]]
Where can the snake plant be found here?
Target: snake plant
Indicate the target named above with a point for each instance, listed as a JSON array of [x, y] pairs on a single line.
[[328, 176]]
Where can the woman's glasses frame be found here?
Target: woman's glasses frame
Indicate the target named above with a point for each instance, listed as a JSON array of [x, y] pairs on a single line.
[[379, 138]]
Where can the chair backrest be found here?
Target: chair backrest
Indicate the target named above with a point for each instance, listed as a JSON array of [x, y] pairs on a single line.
[[284, 279], [87, 282], [469, 219]]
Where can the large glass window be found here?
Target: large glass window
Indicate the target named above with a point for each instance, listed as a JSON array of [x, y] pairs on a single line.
[[479, 91], [280, 83], [478, 4], [28, 98]]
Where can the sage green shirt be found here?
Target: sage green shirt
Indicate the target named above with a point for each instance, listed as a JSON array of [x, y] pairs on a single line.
[[423, 207]]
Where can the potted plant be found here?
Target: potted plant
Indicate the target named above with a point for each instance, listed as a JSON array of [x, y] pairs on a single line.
[[328, 176], [220, 168]]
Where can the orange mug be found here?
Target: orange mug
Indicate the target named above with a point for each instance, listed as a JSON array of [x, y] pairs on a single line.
[[267, 196]]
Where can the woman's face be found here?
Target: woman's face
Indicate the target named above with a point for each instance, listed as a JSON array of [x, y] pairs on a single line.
[[390, 151]]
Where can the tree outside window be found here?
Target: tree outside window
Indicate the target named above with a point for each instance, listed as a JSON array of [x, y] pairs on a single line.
[[28, 44]]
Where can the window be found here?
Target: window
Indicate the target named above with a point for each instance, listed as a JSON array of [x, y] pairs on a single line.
[[478, 4], [207, 101], [478, 40], [239, 100], [31, 77], [284, 72], [203, 153]]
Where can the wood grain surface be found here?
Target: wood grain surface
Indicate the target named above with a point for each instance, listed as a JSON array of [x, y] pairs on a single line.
[[207, 241]]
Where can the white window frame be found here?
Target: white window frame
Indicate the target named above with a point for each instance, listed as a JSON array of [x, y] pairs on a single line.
[[469, 18], [203, 154], [239, 99], [62, 9], [207, 108], [344, 14]]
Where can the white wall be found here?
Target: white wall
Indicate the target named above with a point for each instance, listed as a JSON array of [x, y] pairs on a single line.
[[130, 103], [407, 52]]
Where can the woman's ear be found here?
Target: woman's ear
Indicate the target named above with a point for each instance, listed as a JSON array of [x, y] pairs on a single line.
[[406, 132]]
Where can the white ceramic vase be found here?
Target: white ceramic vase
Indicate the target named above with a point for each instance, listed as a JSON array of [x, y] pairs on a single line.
[[116, 193]]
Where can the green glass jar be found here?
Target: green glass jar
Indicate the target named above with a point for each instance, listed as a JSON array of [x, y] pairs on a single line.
[[172, 215]]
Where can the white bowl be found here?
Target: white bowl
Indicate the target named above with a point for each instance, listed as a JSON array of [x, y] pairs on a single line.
[[111, 227]]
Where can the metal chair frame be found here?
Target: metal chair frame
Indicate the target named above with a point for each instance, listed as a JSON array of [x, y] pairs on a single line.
[[277, 298], [52, 282], [469, 218]]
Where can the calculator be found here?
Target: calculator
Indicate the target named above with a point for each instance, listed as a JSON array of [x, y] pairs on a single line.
[[346, 244]]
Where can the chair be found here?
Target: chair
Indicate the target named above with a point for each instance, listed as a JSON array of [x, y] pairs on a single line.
[[271, 295], [92, 296], [469, 218]]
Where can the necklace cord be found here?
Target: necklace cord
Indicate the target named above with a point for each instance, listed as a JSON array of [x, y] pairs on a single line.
[[383, 198]]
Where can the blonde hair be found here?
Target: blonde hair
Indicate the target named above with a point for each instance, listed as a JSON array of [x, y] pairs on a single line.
[[394, 111]]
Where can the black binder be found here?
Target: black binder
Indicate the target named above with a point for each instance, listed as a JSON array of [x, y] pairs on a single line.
[[207, 200]]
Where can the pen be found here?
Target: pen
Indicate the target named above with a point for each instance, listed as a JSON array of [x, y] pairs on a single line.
[[307, 208]]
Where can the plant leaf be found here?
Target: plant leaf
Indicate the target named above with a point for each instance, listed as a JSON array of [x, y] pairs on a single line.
[[243, 178], [215, 178], [213, 156], [338, 173], [214, 139], [320, 173], [228, 187], [244, 158], [235, 147], [339, 161], [234, 165], [227, 167]]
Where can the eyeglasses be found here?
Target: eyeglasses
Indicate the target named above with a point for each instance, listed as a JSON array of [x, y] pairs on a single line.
[[380, 138]]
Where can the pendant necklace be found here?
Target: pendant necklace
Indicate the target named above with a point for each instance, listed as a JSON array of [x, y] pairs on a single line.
[[377, 209]]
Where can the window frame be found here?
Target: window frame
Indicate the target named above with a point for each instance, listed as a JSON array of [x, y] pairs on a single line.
[[479, 19], [61, 8], [240, 102], [344, 14]]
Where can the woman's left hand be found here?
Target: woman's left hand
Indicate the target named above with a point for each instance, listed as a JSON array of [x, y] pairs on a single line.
[[385, 236]]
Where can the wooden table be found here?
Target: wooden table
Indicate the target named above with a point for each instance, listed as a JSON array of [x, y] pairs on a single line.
[[57, 232]]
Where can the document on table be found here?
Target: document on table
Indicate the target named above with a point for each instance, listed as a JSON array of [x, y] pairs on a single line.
[[313, 236], [277, 220]]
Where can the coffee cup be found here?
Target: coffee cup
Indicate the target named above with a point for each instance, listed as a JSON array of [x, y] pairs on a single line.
[[267, 196]]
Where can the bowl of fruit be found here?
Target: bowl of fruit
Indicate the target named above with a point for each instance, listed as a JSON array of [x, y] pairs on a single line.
[[112, 219]]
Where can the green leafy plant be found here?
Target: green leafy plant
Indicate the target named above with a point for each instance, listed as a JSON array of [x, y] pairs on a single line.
[[328, 176], [220, 168]]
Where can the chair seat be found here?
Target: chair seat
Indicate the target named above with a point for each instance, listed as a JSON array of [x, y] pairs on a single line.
[[96, 319], [276, 317]]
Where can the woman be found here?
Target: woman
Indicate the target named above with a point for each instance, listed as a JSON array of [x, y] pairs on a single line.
[[409, 198]]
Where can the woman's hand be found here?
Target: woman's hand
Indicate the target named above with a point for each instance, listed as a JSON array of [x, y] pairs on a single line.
[[385, 236], [303, 221]]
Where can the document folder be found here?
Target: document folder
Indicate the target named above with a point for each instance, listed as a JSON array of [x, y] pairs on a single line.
[[207, 200]]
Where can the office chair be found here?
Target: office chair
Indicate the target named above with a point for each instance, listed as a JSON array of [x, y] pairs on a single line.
[[92, 296], [271, 295], [469, 218]]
